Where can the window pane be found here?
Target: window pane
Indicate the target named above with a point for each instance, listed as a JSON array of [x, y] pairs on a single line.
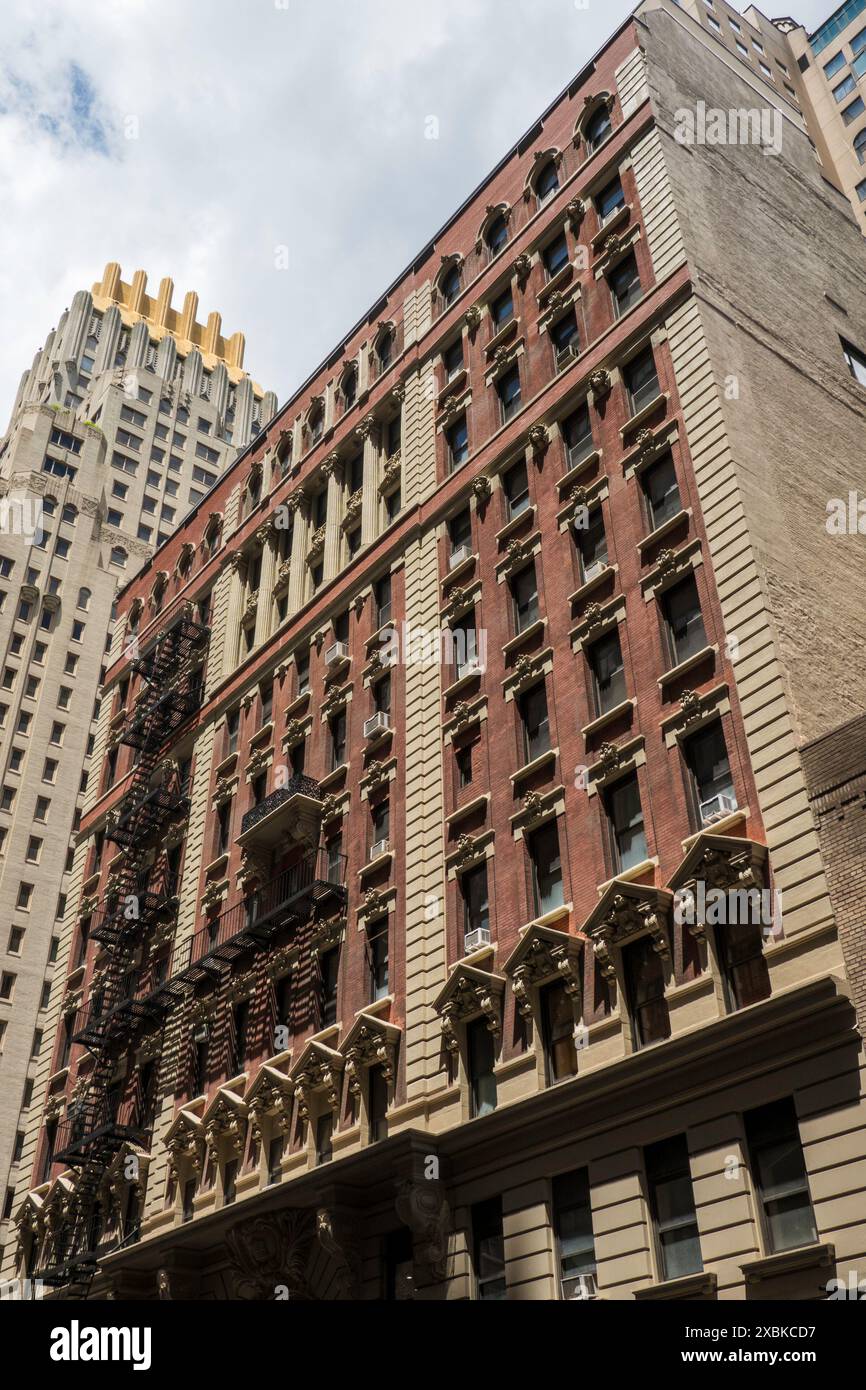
[[547, 868], [626, 816], [608, 673], [662, 491], [682, 610], [481, 1060], [645, 987]]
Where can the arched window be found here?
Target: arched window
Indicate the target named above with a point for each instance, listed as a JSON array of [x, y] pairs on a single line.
[[349, 387], [70, 513], [860, 145], [118, 556], [49, 506], [385, 349], [598, 128], [547, 182], [497, 234], [84, 597], [449, 285], [316, 423]]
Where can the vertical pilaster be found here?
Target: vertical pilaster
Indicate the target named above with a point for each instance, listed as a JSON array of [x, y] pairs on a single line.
[[235, 564], [333, 471], [267, 579], [300, 529]]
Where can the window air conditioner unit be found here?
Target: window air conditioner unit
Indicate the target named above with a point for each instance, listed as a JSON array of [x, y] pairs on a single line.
[[594, 570], [458, 555], [717, 808], [566, 354], [471, 667], [474, 940], [336, 654], [378, 724], [580, 1288], [380, 847]]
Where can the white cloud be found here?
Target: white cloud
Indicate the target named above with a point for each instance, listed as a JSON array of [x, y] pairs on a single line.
[[259, 124]]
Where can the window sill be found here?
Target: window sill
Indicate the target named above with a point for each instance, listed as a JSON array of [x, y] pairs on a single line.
[[379, 1006], [373, 865], [460, 571], [513, 525], [690, 1286], [502, 334], [789, 1262], [586, 589], [684, 667], [262, 735], [608, 717], [463, 681], [615, 219], [630, 875], [634, 421], [216, 866], [228, 761], [297, 704], [525, 636], [550, 919], [462, 812], [721, 827], [536, 765], [566, 482], [562, 276], [334, 777], [666, 527]]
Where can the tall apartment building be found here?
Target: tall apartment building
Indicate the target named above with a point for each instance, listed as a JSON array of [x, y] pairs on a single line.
[[449, 918], [128, 415]]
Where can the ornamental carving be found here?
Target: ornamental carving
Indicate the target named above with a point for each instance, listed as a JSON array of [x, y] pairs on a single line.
[[393, 470], [370, 1047], [284, 574], [467, 849], [366, 428], [667, 562], [376, 774], [327, 933], [185, 1151], [614, 244], [317, 543], [593, 616], [294, 502], [469, 995], [225, 1132], [374, 902], [320, 1074], [524, 670], [645, 442], [542, 956], [523, 267], [690, 704], [516, 551], [423, 1207], [354, 505], [251, 605], [463, 714], [481, 488], [533, 805], [450, 407], [622, 917], [458, 601], [340, 1242], [502, 356], [609, 758], [334, 703], [539, 438], [271, 1252], [576, 211], [331, 466], [295, 731], [600, 382], [473, 318], [332, 806]]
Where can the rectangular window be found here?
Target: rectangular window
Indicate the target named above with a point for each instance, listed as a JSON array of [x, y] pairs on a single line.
[[515, 485], [645, 992], [555, 256], [572, 1223], [382, 597], [625, 818], [846, 86], [377, 1104], [609, 200], [641, 380], [488, 1250], [779, 1176], [452, 359], [524, 595], [558, 1023], [502, 309], [856, 361], [458, 443], [535, 723], [577, 432], [337, 728], [325, 1138], [661, 491], [476, 907], [672, 1205], [329, 968], [625, 287], [591, 542], [684, 624], [852, 112], [544, 857], [481, 1055], [707, 759], [508, 391], [377, 959], [608, 673]]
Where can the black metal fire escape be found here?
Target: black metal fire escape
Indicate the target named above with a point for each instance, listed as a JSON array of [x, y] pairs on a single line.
[[97, 1125]]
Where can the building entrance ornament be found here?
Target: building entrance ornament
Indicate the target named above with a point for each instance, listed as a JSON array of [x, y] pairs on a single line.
[[625, 912]]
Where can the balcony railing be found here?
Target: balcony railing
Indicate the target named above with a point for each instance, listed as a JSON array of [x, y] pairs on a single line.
[[301, 795], [97, 1128]]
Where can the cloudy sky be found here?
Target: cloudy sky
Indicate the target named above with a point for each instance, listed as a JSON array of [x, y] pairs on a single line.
[[271, 154]]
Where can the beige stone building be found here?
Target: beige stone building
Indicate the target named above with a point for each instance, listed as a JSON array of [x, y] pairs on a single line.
[[126, 418], [508, 965]]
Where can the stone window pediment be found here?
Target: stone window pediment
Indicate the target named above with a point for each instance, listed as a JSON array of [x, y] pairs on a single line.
[[185, 1143], [543, 955], [720, 864], [371, 1042], [593, 104], [269, 1098], [318, 1071], [625, 912], [469, 993], [225, 1123]]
